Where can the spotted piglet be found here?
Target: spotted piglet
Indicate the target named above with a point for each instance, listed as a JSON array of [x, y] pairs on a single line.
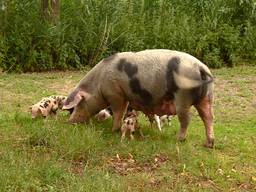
[[130, 125], [47, 106]]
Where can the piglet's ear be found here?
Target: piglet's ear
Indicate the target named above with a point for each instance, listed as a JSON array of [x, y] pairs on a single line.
[[74, 98]]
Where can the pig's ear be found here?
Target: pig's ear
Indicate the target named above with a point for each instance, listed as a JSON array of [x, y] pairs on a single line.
[[74, 99]]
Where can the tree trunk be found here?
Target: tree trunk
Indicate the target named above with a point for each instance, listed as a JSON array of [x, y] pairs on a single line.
[[51, 10]]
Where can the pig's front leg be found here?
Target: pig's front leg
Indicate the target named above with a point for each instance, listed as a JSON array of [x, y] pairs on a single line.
[[119, 108]]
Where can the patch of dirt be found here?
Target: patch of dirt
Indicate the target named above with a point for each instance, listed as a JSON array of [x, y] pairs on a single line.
[[246, 187], [153, 182], [78, 166], [124, 165], [208, 184]]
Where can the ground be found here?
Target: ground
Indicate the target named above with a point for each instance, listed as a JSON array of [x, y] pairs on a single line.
[[52, 155]]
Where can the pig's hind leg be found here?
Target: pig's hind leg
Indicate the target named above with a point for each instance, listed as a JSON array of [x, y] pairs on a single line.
[[184, 119], [183, 105], [205, 111]]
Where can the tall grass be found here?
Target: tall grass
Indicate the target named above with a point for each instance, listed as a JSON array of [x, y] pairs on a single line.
[[219, 32]]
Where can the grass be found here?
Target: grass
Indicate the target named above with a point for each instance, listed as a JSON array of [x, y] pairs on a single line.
[[52, 155]]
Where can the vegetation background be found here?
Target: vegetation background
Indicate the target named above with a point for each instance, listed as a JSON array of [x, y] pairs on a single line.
[[218, 32], [52, 155]]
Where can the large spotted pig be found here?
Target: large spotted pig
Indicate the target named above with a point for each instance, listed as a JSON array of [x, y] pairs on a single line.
[[161, 82]]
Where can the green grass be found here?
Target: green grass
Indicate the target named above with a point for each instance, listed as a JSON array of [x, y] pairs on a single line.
[[52, 155]]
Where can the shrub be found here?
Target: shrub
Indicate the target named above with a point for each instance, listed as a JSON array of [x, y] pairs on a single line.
[[218, 32]]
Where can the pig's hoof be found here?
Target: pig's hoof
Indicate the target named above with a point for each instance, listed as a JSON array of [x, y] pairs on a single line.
[[209, 143], [181, 138]]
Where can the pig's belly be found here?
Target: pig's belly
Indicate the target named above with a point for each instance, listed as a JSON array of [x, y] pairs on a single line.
[[165, 107]]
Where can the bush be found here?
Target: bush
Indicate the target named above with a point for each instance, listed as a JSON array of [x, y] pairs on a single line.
[[218, 32]]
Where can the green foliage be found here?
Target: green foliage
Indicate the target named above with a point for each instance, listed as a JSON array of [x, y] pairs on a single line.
[[218, 32]]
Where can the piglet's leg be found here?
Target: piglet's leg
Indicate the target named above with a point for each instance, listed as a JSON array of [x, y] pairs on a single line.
[[123, 130], [204, 109], [141, 133], [131, 136], [158, 122]]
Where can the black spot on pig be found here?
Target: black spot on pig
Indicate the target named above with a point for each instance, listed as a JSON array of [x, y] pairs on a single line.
[[128, 68], [120, 65], [135, 85], [206, 77], [131, 70], [203, 74], [173, 65], [198, 93], [143, 93]]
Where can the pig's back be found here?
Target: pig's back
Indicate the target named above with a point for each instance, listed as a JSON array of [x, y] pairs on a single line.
[[146, 76]]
